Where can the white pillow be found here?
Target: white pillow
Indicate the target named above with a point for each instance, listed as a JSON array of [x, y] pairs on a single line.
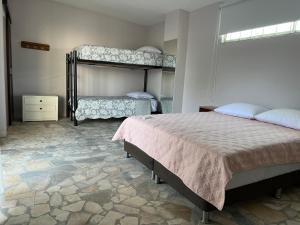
[[284, 117], [243, 110], [149, 49], [140, 94]]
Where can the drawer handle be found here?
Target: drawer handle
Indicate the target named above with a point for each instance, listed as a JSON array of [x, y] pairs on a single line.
[[41, 100], [41, 108]]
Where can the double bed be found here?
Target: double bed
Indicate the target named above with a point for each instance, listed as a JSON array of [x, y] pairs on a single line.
[[212, 158]]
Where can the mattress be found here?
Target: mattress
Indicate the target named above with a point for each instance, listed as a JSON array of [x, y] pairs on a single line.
[[100, 107], [126, 56], [208, 150]]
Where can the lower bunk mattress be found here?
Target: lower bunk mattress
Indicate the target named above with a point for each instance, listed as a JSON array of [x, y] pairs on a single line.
[[102, 107]]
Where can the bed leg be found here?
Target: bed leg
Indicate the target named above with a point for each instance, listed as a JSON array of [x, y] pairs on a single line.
[[157, 179], [278, 193], [127, 155], [205, 217], [152, 175], [75, 122]]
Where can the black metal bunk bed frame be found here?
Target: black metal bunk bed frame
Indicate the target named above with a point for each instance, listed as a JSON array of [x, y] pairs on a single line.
[[72, 60]]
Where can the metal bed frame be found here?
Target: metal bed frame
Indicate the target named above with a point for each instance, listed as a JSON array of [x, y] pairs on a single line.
[[72, 61], [272, 185]]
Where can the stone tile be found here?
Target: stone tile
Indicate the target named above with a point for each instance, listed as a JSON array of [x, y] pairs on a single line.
[[66, 182], [3, 218], [16, 220], [296, 206], [17, 190], [78, 178], [56, 200], [148, 219], [180, 221], [264, 213], [43, 220], [127, 191], [80, 167], [111, 218], [73, 198], [97, 178], [38, 165], [11, 196], [75, 207], [41, 198], [96, 219], [62, 217], [8, 204], [135, 201], [27, 201], [108, 206], [16, 211], [292, 222], [101, 197], [39, 210], [53, 189], [149, 209], [11, 180], [93, 208], [69, 190], [78, 218], [129, 221], [126, 209], [104, 185]]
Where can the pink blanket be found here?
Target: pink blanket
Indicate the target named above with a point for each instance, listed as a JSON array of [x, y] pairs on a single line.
[[205, 149]]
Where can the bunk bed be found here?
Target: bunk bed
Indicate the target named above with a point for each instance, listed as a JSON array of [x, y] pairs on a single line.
[[93, 107]]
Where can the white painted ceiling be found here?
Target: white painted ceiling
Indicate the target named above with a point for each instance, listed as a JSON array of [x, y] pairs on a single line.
[[144, 12]]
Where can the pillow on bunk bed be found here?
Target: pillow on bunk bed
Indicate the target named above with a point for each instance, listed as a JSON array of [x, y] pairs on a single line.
[[140, 94], [149, 49]]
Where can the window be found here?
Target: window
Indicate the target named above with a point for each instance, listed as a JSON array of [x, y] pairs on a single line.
[[261, 32], [298, 26]]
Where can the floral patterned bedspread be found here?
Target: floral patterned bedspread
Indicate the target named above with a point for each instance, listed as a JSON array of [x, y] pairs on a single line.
[[100, 53], [96, 107]]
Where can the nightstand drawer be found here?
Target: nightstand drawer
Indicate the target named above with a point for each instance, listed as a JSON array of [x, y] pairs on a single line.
[[39, 108], [40, 100]]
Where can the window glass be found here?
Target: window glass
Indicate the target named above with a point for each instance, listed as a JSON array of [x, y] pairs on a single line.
[[260, 32]]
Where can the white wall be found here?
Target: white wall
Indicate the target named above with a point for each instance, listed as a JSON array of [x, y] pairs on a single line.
[[3, 102], [64, 27], [262, 71], [199, 59], [155, 37]]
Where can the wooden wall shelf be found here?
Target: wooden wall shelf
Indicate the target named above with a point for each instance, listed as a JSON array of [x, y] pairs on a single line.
[[35, 46]]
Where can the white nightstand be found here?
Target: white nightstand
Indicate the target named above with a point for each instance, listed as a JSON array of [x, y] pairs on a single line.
[[40, 108]]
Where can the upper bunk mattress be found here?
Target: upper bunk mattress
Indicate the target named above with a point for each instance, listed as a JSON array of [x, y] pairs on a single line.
[[126, 56], [104, 107], [205, 150]]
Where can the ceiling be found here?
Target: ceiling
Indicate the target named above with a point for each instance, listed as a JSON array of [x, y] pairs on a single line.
[[144, 12]]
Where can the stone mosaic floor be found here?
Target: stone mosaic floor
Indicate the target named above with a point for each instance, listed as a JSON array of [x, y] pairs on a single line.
[[55, 173]]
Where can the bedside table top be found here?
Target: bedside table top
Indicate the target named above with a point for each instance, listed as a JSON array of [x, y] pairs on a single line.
[[207, 108]]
